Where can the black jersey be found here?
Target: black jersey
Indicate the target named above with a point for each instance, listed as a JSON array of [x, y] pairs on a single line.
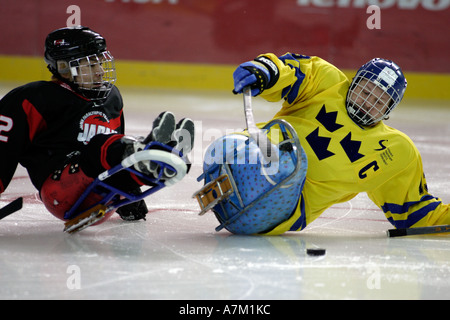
[[42, 122]]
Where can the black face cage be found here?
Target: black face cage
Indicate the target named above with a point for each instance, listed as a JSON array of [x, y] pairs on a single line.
[[94, 75]]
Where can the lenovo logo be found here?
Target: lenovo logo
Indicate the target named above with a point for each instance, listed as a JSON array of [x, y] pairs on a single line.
[[432, 5]]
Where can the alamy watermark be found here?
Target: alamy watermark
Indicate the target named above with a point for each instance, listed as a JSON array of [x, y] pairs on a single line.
[[75, 16], [232, 151], [374, 20], [374, 277], [74, 279]]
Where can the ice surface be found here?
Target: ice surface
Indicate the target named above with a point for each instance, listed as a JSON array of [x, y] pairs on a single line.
[[176, 254]]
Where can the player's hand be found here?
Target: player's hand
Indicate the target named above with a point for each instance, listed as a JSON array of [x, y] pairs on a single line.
[[133, 211], [253, 74]]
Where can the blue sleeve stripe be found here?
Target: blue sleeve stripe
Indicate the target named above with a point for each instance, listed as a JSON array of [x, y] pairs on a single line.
[[400, 209], [291, 93], [285, 92], [300, 224], [414, 217], [293, 56]]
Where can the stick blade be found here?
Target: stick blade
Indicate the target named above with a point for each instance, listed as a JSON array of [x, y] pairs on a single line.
[[11, 207], [392, 233], [418, 231]]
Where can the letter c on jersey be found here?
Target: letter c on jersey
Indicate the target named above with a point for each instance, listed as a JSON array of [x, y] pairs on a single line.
[[362, 172]]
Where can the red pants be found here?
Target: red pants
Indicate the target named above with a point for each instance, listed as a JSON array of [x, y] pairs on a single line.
[[63, 188]]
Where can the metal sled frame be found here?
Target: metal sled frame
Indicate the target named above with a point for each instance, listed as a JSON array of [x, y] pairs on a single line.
[[115, 197], [213, 192], [291, 144]]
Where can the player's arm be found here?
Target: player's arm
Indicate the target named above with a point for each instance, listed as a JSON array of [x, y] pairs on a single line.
[[264, 73], [15, 133], [291, 77], [121, 129], [406, 202], [8, 166], [8, 159]]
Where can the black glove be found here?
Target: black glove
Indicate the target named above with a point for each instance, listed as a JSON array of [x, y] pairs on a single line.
[[134, 211]]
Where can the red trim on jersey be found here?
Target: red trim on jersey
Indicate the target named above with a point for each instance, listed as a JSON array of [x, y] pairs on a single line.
[[114, 124], [2, 188], [104, 150], [66, 86], [36, 122]]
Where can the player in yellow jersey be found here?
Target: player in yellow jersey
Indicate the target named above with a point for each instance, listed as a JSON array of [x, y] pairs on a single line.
[[340, 130]]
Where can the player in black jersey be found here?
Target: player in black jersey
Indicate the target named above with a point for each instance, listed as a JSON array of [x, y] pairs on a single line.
[[67, 131]]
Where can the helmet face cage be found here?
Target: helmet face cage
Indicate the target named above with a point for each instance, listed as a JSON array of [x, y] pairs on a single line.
[[375, 91], [94, 75], [78, 56]]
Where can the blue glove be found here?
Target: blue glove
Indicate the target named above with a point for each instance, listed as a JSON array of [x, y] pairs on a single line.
[[252, 74]]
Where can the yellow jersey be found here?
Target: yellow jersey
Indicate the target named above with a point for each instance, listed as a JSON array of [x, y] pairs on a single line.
[[344, 158]]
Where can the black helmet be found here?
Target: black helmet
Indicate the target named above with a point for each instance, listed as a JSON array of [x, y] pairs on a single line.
[[68, 49], [72, 43]]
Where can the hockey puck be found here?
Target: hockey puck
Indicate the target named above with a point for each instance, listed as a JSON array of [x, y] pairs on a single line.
[[315, 252]]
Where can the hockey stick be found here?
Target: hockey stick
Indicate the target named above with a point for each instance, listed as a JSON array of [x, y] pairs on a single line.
[[11, 207], [417, 231], [262, 140]]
